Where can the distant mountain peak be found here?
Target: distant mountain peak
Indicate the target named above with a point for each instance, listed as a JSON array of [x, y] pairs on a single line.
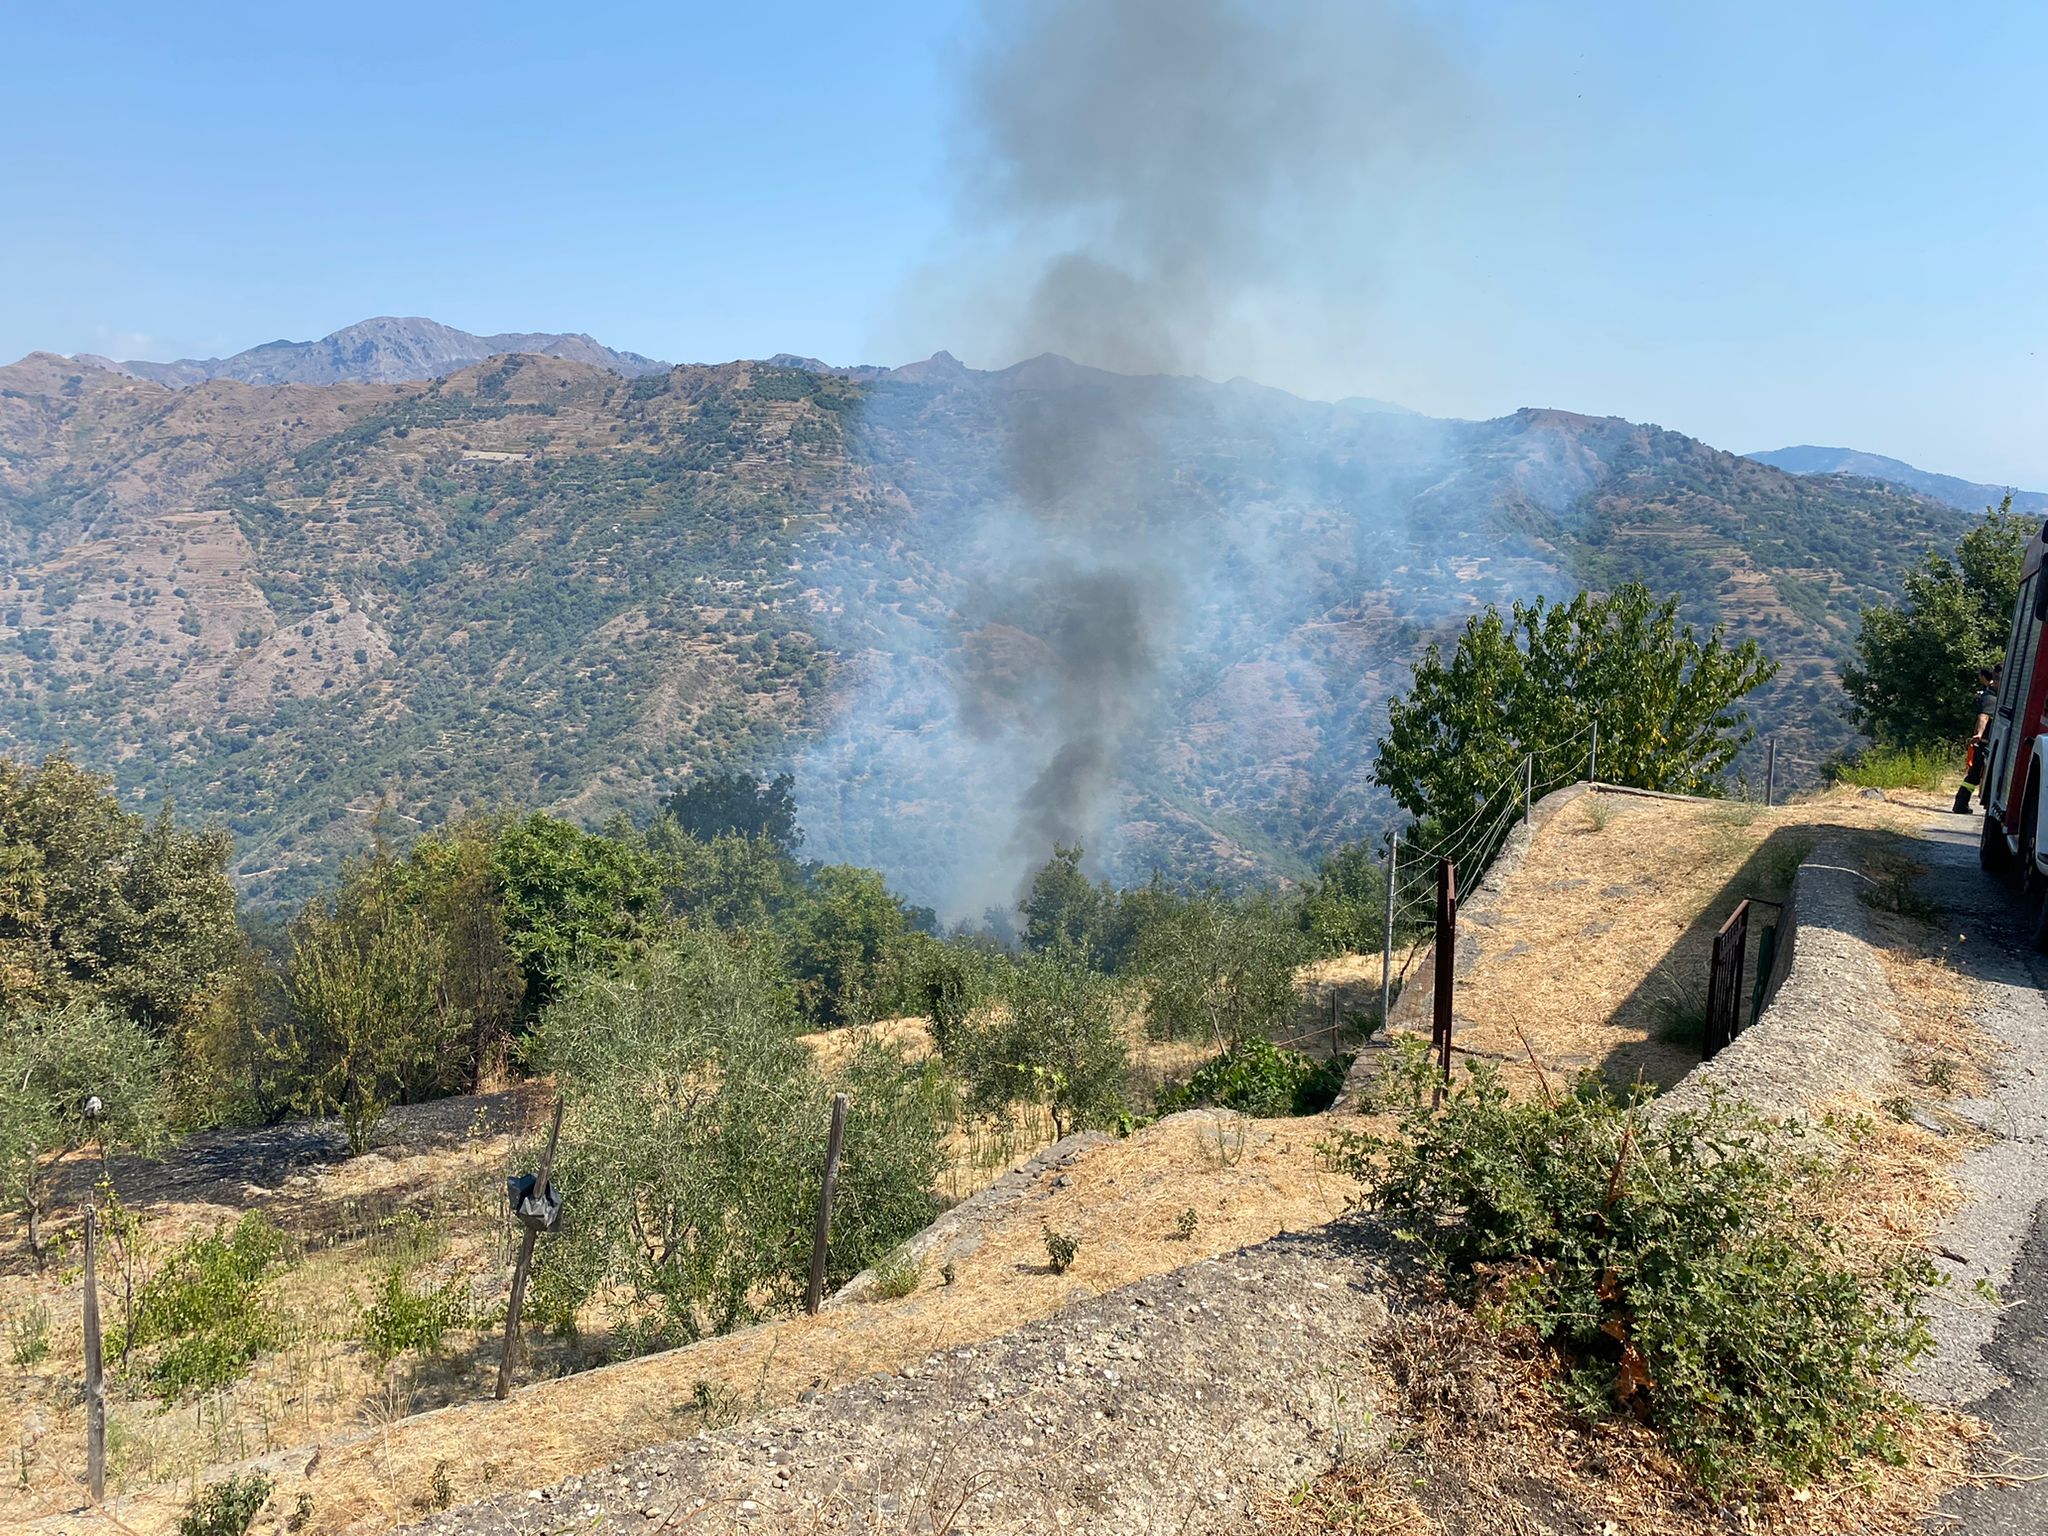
[[1968, 495], [384, 349]]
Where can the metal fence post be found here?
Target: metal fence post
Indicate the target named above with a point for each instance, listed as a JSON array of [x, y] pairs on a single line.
[[1770, 770], [1528, 785], [1593, 755], [821, 1237], [1446, 962], [1387, 950]]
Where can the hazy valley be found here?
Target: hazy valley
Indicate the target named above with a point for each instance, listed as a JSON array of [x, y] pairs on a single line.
[[538, 581]]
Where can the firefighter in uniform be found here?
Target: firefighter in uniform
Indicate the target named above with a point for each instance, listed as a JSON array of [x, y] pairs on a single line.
[[1987, 704]]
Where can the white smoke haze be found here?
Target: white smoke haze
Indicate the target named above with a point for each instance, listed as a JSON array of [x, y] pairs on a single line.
[[1137, 181]]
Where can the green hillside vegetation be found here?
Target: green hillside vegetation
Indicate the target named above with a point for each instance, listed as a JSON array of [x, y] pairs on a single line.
[[308, 611]]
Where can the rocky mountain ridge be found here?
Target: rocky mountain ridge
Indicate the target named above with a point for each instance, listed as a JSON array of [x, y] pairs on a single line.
[[386, 349]]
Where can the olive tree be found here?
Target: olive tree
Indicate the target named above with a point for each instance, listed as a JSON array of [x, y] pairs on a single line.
[[692, 1147], [1222, 968], [1055, 1036], [53, 1063]]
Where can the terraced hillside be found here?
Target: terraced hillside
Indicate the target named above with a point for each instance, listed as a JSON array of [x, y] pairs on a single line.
[[299, 607]]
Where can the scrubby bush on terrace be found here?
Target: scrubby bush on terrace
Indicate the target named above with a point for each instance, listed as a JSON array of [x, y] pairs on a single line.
[[1256, 1077], [1675, 1263], [695, 1136], [200, 1319]]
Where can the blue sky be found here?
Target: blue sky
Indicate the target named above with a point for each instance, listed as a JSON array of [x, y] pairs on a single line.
[[1757, 223]]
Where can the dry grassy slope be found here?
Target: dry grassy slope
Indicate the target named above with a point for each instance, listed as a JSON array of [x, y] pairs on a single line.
[[1613, 890]]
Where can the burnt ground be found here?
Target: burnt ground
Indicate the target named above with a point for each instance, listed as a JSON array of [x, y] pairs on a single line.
[[233, 1167]]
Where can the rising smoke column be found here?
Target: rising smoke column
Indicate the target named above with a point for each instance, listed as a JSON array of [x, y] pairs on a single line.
[[1137, 182], [1179, 153]]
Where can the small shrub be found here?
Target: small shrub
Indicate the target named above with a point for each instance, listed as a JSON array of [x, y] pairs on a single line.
[[1891, 889], [1900, 768], [717, 1404], [1941, 1074], [401, 1320], [1061, 1248], [1257, 1077], [947, 1273], [1402, 1079], [226, 1508], [1185, 1224], [199, 1320], [1675, 1263], [1597, 813], [899, 1274], [28, 1334], [440, 1490], [1678, 1008]]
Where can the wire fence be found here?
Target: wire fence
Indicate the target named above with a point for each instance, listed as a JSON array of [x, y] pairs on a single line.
[[1475, 843], [1414, 856]]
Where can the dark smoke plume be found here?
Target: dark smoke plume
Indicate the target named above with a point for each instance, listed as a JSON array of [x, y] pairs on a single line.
[[1185, 148], [1138, 182]]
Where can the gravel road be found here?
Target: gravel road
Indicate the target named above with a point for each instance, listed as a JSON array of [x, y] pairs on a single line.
[[1172, 1405], [1993, 1359]]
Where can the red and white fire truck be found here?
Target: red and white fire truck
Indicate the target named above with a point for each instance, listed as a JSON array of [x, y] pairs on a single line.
[[2016, 750]]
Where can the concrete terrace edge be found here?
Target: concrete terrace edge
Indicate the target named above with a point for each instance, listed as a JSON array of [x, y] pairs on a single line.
[[1829, 1028]]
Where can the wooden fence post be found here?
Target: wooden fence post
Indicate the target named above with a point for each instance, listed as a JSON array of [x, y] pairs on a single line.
[[821, 1236], [518, 1300], [95, 1375]]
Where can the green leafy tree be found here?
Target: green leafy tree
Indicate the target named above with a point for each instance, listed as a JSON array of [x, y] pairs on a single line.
[[1913, 684], [1056, 1037], [696, 1125], [713, 805], [1533, 680], [1222, 968], [838, 942], [98, 902], [1343, 911], [367, 983], [53, 1061], [729, 881], [451, 881], [1063, 908], [571, 898]]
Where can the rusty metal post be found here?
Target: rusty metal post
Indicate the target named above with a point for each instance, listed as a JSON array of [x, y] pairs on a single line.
[[1446, 962], [1387, 953], [1770, 771], [519, 1270], [821, 1236], [95, 1372], [1528, 785], [1593, 755]]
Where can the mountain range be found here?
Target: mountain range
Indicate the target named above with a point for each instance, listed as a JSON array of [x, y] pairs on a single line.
[[383, 350], [310, 607], [1968, 495]]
